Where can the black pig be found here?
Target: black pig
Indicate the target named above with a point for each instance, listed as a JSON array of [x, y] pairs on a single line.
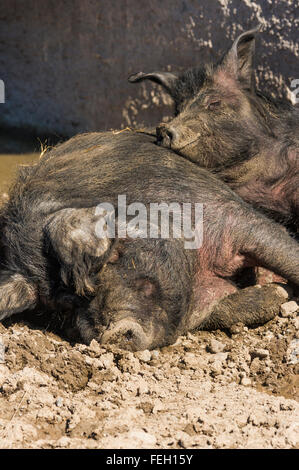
[[223, 123], [136, 292]]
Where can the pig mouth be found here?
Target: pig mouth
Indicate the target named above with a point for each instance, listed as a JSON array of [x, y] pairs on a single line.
[[128, 334], [125, 332], [178, 149], [124, 329]]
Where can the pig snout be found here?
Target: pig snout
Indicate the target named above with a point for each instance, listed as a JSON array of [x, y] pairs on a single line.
[[127, 334], [167, 136]]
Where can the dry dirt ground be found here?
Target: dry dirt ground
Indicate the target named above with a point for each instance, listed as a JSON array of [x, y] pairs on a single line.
[[236, 389]]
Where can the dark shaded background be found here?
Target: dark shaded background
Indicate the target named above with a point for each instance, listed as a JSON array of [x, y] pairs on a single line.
[[65, 63]]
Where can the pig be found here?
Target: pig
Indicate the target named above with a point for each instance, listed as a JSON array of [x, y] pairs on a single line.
[[137, 293], [243, 136]]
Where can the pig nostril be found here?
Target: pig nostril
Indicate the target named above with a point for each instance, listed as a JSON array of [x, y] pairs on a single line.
[[159, 133], [129, 335], [169, 135], [166, 136]]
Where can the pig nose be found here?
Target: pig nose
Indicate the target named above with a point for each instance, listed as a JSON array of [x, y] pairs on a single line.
[[166, 136], [126, 334]]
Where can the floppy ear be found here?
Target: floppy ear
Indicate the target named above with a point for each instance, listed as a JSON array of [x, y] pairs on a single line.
[[238, 61], [17, 294], [74, 237], [165, 79]]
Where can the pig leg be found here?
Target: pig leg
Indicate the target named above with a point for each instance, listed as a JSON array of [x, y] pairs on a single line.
[[219, 304], [207, 293], [17, 294], [252, 306]]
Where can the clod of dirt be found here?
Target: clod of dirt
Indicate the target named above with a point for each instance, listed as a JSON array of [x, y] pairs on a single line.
[[260, 353], [144, 356], [209, 390], [215, 346], [288, 308]]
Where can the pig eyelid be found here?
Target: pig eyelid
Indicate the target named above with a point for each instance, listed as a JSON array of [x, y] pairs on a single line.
[[146, 287], [213, 104], [194, 105]]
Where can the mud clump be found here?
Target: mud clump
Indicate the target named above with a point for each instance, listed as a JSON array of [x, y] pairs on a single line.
[[236, 389]]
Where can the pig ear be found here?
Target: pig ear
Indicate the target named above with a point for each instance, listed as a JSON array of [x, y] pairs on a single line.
[[165, 79], [239, 59], [17, 294], [74, 237]]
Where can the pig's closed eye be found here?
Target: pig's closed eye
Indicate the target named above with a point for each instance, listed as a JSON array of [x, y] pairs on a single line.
[[146, 287], [212, 105]]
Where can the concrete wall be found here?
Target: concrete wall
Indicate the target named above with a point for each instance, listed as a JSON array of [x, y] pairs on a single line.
[[65, 62]]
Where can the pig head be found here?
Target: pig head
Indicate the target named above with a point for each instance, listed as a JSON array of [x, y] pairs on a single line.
[[247, 138]]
